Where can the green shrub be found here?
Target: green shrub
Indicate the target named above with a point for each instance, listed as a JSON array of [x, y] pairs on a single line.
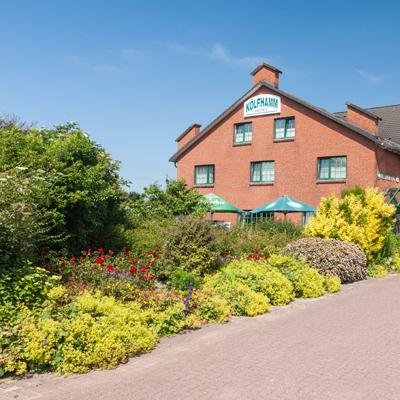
[[180, 280], [331, 257], [95, 331], [261, 278], [268, 236], [306, 281], [377, 270], [189, 245], [27, 286], [146, 236], [82, 193], [332, 284], [359, 216], [210, 307], [241, 299]]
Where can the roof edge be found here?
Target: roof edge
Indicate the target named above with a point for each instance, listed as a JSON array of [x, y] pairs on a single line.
[[387, 144]]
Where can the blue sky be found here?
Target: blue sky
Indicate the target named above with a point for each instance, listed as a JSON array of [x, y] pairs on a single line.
[[136, 74]]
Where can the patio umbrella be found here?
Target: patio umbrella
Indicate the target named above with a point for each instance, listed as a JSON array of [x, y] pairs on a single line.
[[218, 204], [284, 204]]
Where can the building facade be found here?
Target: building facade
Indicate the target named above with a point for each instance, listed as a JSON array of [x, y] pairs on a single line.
[[270, 143]]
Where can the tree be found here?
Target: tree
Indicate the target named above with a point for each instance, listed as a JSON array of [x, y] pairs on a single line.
[[84, 195], [177, 199]]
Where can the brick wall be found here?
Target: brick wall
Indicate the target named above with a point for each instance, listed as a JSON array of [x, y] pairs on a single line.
[[295, 161]]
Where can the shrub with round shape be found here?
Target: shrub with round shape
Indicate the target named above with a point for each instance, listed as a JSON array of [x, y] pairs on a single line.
[[189, 245], [306, 281], [261, 278], [332, 284], [331, 257], [241, 299], [210, 307]]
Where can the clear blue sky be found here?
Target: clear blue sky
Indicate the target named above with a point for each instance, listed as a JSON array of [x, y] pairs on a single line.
[[136, 73]]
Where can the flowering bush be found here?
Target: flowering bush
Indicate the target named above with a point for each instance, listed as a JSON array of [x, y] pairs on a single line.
[[359, 216], [98, 268], [261, 278], [332, 284], [306, 281], [331, 257]]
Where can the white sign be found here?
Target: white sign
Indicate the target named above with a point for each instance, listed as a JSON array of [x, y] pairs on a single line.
[[262, 104]]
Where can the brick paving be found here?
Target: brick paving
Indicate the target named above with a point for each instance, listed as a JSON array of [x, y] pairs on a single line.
[[341, 346]]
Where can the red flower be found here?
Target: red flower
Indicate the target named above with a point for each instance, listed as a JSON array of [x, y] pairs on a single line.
[[62, 259], [151, 277], [132, 270], [110, 252], [134, 261], [158, 249], [110, 268], [257, 250], [144, 268], [81, 258], [99, 260], [100, 250], [71, 262], [150, 253]]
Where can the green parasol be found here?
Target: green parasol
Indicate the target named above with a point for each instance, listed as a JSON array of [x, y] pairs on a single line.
[[218, 204], [284, 204]]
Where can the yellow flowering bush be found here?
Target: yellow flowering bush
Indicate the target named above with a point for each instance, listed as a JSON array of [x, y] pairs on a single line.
[[241, 299], [360, 216], [306, 281], [332, 284], [261, 278]]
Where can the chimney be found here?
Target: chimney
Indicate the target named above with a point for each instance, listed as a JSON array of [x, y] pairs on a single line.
[[266, 72], [188, 134], [363, 118]]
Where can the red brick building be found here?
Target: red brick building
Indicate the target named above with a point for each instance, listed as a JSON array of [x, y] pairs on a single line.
[[270, 143]]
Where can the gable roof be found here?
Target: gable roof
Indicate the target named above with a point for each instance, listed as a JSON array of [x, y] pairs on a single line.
[[339, 119], [389, 126]]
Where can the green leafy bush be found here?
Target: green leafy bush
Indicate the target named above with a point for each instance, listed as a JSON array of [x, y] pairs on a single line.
[[82, 192], [241, 299], [261, 278], [332, 284], [181, 279], [27, 286], [331, 257], [377, 269], [268, 236], [189, 245], [175, 200], [210, 307], [306, 281]]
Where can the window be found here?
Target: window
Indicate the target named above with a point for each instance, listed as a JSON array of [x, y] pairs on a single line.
[[204, 175], [332, 168], [243, 133], [262, 171], [250, 218], [284, 128]]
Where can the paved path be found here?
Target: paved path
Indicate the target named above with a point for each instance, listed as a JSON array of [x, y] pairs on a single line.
[[342, 346]]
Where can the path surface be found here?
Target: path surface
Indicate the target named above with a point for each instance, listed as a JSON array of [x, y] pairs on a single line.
[[341, 346]]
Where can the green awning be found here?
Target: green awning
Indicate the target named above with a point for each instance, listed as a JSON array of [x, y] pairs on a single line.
[[218, 204], [284, 204]]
